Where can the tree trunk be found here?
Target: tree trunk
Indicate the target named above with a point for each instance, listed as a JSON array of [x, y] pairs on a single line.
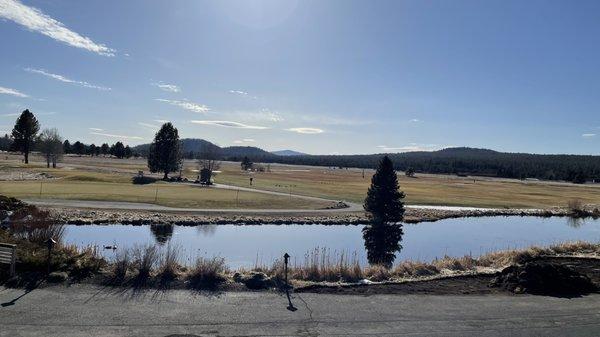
[[26, 153], [47, 161], [166, 176]]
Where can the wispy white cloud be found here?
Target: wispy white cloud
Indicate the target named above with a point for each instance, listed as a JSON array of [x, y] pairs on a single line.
[[244, 141], [306, 130], [37, 113], [242, 93], [66, 80], [415, 120], [412, 147], [152, 127], [167, 87], [96, 129], [13, 92], [200, 108], [161, 121], [588, 135], [34, 20], [262, 115], [230, 124], [116, 136]]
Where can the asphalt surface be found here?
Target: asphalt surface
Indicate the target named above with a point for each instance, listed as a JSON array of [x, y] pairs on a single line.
[[84, 310]]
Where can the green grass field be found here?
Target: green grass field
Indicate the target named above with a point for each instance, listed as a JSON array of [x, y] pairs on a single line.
[[110, 179]]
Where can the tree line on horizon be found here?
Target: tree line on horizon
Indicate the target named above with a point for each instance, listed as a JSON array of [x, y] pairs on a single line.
[[26, 137]]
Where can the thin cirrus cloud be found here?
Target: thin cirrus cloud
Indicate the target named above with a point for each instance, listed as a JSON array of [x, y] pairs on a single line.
[[149, 126], [588, 135], [200, 108], [229, 124], [309, 131], [62, 78], [167, 87], [96, 129], [110, 135], [412, 147], [244, 141], [34, 20], [242, 93], [12, 92]]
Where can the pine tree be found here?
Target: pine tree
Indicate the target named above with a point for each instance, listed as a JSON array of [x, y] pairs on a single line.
[[25, 132], [384, 199], [165, 151]]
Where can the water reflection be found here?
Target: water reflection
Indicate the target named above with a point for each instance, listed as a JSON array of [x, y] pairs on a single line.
[[207, 230], [382, 242], [162, 233]]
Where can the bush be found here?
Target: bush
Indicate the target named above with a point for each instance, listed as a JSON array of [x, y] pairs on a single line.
[[36, 226], [143, 180], [207, 273], [121, 266], [169, 266], [145, 258]]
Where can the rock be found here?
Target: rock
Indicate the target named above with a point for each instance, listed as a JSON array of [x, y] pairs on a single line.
[[255, 280], [57, 277], [542, 278]]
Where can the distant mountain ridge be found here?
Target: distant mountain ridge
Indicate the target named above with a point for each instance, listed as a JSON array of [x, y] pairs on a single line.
[[288, 153]]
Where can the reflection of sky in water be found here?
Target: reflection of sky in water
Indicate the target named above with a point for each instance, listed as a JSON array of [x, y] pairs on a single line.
[[245, 245]]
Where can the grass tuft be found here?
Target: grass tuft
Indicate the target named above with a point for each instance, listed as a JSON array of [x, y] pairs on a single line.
[[207, 273]]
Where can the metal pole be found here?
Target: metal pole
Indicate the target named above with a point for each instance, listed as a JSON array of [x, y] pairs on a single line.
[[41, 188], [156, 195], [237, 197]]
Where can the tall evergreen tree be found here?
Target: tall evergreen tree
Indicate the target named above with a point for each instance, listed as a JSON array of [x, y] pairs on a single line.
[[67, 147], [165, 151], [384, 199], [78, 148], [119, 150], [246, 164], [25, 132]]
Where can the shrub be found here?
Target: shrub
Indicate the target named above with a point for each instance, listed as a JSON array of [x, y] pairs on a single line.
[[143, 180], [121, 266], [145, 258], [169, 266], [207, 273], [35, 225]]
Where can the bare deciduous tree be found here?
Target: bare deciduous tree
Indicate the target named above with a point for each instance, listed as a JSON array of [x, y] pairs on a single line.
[[51, 146], [209, 159]]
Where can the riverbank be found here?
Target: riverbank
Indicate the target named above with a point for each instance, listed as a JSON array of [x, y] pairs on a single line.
[[79, 216]]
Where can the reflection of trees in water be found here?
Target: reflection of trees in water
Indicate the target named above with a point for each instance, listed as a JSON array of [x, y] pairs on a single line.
[[162, 233], [207, 230], [575, 222], [382, 242]]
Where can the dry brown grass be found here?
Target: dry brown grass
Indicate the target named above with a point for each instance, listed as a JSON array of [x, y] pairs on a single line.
[[207, 273]]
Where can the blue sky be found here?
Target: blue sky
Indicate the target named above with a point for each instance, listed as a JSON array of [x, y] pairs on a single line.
[[321, 77]]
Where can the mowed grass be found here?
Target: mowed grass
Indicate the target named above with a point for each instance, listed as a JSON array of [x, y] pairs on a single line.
[[341, 184], [165, 194]]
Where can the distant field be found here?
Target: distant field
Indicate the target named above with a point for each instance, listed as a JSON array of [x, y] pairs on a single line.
[[85, 184], [109, 179]]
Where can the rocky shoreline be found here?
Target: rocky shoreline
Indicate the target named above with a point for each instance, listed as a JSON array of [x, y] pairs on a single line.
[[412, 215]]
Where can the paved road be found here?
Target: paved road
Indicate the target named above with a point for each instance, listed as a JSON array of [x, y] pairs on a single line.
[[91, 311]]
